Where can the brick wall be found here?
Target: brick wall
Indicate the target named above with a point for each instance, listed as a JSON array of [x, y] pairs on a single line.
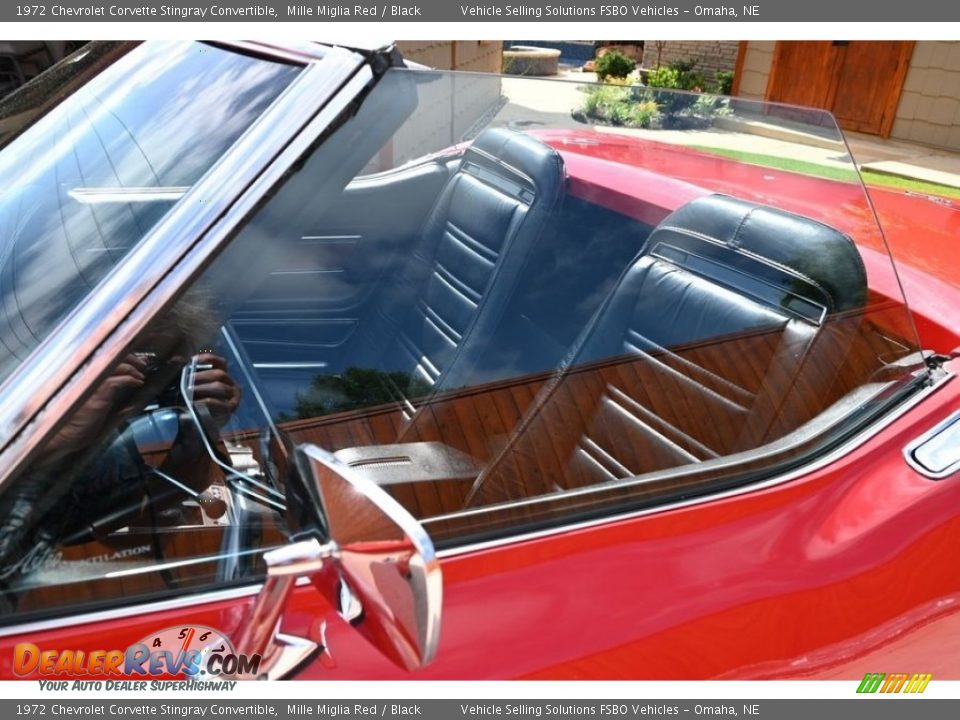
[[929, 107], [474, 55], [711, 55]]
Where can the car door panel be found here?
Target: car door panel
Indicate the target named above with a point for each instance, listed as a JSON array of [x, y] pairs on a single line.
[[799, 580], [795, 580]]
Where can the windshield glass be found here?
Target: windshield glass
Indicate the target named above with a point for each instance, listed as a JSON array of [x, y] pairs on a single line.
[[709, 298], [508, 303], [644, 151], [84, 183]]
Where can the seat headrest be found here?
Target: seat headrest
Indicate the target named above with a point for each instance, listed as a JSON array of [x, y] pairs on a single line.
[[810, 259], [534, 167]]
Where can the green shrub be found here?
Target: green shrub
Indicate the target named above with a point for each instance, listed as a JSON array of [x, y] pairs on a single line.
[[591, 104], [619, 105], [692, 111], [678, 75], [709, 106], [664, 77], [605, 96], [669, 98], [724, 82], [618, 113], [643, 114], [684, 66], [672, 98], [614, 64], [694, 81]]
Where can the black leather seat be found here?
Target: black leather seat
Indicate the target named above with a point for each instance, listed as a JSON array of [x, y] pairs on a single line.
[[730, 329], [450, 295]]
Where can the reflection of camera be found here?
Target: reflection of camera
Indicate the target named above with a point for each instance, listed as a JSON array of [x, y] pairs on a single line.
[[165, 371]]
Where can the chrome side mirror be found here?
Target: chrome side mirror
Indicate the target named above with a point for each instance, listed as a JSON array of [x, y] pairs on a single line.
[[377, 566]]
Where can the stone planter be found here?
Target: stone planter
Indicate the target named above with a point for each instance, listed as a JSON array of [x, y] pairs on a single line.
[[529, 60]]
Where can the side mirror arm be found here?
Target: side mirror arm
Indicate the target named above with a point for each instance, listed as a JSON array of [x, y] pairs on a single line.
[[378, 568]]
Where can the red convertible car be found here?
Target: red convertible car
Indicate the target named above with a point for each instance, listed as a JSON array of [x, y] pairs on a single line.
[[316, 365]]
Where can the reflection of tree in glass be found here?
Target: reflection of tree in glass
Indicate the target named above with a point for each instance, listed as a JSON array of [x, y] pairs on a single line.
[[356, 388]]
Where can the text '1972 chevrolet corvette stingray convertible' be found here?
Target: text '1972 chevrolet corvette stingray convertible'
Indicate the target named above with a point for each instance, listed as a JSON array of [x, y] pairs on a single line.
[[316, 365]]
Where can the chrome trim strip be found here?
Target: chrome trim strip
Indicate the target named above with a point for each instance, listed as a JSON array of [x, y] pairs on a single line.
[[290, 365], [333, 238], [106, 195], [136, 610], [852, 444], [58, 372], [141, 569], [131, 610], [299, 52], [910, 447]]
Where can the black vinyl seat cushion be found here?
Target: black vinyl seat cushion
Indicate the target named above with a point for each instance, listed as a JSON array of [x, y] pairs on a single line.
[[449, 296]]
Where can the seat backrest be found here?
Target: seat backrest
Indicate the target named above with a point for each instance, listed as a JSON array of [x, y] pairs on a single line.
[[727, 331], [452, 292]]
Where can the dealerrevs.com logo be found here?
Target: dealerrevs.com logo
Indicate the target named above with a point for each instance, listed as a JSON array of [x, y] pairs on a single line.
[[894, 683], [184, 652]]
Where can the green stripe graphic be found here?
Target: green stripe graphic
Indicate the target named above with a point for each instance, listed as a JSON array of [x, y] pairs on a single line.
[[871, 682]]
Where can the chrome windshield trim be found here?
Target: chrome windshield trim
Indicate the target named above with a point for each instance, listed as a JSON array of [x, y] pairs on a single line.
[[861, 438], [55, 375], [294, 51]]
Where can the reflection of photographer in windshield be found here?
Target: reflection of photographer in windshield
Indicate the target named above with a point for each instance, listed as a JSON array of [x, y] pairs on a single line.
[[147, 485], [120, 396], [93, 478], [213, 389], [210, 397]]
